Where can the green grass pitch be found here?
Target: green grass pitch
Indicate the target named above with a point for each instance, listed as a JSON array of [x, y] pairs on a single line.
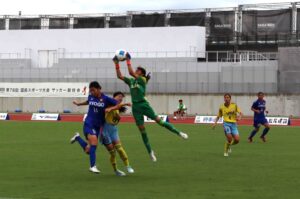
[[37, 161]]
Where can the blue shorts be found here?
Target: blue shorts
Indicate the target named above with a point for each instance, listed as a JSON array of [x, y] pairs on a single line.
[[90, 130], [109, 134], [260, 121], [230, 128]]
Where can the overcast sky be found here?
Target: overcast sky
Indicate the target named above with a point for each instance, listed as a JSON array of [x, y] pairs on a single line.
[[99, 6]]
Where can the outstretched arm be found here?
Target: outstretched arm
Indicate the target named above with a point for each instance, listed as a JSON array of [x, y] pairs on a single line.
[[118, 71], [117, 107], [80, 103], [129, 66]]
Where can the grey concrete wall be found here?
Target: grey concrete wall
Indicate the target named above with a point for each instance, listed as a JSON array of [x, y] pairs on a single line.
[[164, 103]]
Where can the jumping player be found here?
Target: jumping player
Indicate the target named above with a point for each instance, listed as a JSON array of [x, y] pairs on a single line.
[[110, 137], [231, 113], [95, 120], [140, 105], [259, 109]]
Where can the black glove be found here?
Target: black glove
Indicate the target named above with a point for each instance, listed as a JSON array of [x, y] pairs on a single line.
[[115, 59], [128, 56]]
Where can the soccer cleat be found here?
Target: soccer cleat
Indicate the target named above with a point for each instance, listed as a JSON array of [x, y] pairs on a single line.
[[153, 157], [73, 139], [250, 140], [120, 173], [94, 170], [263, 139], [229, 150], [226, 154], [130, 169], [183, 135]]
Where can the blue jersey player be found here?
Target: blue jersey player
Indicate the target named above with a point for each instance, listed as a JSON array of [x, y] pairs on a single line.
[[94, 121], [259, 109]]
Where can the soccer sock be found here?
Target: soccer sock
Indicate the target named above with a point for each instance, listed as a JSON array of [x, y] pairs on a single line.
[[233, 142], [169, 126], [226, 147], [146, 140], [113, 159], [122, 154], [93, 155], [266, 130], [81, 142], [253, 133]]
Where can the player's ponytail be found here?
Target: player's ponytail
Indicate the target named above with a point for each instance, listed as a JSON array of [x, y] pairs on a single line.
[[143, 70], [148, 77]]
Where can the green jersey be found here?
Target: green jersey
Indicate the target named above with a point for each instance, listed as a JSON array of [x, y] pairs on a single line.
[[137, 88], [181, 107]]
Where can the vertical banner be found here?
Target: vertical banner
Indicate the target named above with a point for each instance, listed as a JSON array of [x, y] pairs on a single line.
[[222, 24]]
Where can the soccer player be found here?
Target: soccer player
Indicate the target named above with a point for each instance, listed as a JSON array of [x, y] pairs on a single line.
[[95, 120], [180, 109], [110, 137], [259, 109], [140, 105], [231, 113]]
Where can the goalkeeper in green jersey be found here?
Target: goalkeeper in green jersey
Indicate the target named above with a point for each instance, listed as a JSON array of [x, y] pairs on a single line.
[[140, 105]]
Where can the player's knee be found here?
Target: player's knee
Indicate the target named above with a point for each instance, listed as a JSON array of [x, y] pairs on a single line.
[[141, 127], [87, 150], [118, 146], [159, 121]]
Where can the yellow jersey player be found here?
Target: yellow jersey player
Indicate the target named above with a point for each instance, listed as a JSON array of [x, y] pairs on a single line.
[[110, 137], [231, 113]]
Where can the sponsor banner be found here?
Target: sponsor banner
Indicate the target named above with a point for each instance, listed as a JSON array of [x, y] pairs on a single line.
[[200, 119], [262, 22], [43, 89], [165, 118], [4, 116], [45, 116], [282, 121]]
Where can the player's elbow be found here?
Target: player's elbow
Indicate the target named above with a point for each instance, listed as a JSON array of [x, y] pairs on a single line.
[[120, 77], [132, 73]]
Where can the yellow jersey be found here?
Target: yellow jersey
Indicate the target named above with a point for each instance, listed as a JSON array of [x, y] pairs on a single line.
[[113, 117], [229, 113]]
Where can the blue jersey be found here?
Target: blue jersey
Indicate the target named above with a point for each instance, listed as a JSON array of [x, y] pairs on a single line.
[[96, 113], [261, 106]]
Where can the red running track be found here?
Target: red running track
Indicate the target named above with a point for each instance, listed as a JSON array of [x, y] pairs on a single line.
[[128, 119]]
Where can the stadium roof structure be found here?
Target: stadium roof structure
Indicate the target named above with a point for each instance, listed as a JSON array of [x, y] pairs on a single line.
[[268, 23]]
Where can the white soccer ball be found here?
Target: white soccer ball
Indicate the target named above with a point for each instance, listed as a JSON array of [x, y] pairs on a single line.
[[121, 54]]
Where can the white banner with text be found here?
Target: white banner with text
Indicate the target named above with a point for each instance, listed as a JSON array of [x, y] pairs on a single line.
[[45, 116], [200, 119], [44, 89], [3, 116]]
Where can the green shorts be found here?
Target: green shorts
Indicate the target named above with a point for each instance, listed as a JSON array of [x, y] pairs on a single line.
[[139, 109]]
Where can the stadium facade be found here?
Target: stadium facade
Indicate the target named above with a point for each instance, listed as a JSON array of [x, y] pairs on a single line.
[[241, 50]]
